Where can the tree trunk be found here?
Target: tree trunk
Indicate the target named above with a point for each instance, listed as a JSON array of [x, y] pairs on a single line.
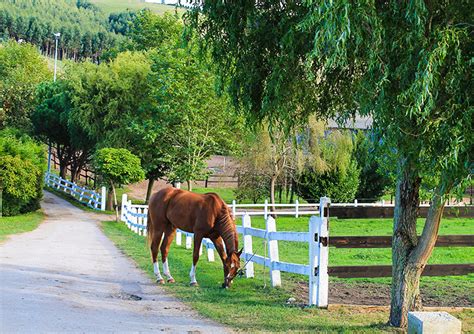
[[149, 189], [190, 185], [115, 202], [272, 193], [405, 294], [110, 199]]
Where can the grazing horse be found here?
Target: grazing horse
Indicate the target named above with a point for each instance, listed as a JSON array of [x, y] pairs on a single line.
[[205, 215]]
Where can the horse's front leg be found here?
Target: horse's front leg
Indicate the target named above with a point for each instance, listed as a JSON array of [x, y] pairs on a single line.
[[197, 246], [219, 244]]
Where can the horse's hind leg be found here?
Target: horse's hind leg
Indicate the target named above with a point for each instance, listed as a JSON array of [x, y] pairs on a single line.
[[155, 244], [197, 245], [170, 232]]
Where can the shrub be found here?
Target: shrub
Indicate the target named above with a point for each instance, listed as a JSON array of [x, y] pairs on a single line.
[[339, 185], [374, 182], [117, 166], [22, 166]]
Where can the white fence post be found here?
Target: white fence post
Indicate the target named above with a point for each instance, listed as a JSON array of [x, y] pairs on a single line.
[[145, 222], [103, 199], [188, 241], [313, 258], [130, 218], [323, 253], [355, 203], [275, 276], [179, 236], [124, 205], [233, 208], [248, 248], [265, 210], [210, 253], [296, 208]]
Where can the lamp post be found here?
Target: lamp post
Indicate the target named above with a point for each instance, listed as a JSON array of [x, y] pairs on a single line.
[[56, 37]]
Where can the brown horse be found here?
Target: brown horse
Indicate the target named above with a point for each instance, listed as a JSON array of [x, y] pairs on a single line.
[[207, 216]]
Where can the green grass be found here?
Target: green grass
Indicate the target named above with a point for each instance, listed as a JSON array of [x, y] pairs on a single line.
[[115, 6], [227, 194], [267, 306], [19, 224]]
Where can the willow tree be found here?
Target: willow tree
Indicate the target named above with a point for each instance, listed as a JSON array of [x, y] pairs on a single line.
[[406, 64]]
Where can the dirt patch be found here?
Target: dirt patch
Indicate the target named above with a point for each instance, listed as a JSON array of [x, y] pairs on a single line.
[[378, 294]]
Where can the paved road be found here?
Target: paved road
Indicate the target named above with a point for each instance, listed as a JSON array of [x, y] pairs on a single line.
[[67, 276]]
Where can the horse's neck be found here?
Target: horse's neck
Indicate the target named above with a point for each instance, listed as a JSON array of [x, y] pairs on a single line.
[[228, 234]]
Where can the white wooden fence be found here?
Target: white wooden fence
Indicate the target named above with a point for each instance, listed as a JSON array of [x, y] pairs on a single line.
[[135, 217], [89, 197]]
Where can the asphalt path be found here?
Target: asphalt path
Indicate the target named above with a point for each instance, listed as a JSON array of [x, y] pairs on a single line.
[[67, 276]]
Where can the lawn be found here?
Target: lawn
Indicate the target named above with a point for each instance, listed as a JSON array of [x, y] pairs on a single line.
[[268, 306], [115, 6], [19, 224], [227, 194]]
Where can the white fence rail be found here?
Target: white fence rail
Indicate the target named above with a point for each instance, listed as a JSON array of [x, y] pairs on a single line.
[[86, 196], [135, 217]]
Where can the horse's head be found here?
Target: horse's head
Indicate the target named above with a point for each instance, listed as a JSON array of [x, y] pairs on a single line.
[[232, 266]]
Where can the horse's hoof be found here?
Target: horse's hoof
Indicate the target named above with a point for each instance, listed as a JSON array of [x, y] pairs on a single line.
[[171, 280], [160, 281], [193, 284]]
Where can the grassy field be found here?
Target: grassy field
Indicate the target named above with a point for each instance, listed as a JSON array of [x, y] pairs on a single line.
[[19, 224], [268, 307], [114, 6], [228, 195]]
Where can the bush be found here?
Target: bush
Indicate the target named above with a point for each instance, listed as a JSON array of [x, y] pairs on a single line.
[[252, 186], [339, 186], [22, 166], [373, 181], [117, 166]]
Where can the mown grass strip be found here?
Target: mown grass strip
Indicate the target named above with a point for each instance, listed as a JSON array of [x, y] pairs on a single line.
[[19, 224]]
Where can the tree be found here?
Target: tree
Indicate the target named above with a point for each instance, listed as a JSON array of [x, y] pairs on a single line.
[[375, 180], [53, 123], [414, 80], [21, 69], [117, 166]]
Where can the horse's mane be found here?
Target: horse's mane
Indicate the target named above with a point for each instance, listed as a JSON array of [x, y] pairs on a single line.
[[226, 226]]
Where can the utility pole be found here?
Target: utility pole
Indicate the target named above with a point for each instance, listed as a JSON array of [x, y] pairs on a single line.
[[56, 37]]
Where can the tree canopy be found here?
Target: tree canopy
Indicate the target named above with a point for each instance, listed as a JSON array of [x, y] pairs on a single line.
[[406, 64]]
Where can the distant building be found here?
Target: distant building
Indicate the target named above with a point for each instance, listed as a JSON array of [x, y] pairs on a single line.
[[359, 123]]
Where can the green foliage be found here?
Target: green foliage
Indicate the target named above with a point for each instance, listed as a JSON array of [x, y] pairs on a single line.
[[258, 50], [340, 186], [415, 78], [54, 122], [21, 69], [149, 31], [21, 173], [117, 166], [252, 186], [374, 181], [84, 28]]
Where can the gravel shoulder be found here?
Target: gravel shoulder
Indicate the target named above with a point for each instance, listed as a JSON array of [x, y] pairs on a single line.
[[67, 276]]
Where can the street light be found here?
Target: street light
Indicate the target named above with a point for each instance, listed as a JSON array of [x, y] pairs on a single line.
[[56, 37]]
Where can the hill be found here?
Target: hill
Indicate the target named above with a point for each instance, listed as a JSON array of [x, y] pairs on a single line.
[[114, 6]]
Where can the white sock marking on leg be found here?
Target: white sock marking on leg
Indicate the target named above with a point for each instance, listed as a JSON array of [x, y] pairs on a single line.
[[192, 274], [166, 270], [156, 270]]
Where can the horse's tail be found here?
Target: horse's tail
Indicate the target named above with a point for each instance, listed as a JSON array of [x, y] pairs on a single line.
[[149, 229]]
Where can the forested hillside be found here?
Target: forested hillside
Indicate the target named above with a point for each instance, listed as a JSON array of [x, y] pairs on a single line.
[[85, 30]]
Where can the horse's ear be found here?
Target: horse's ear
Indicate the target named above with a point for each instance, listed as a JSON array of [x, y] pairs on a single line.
[[240, 252]]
